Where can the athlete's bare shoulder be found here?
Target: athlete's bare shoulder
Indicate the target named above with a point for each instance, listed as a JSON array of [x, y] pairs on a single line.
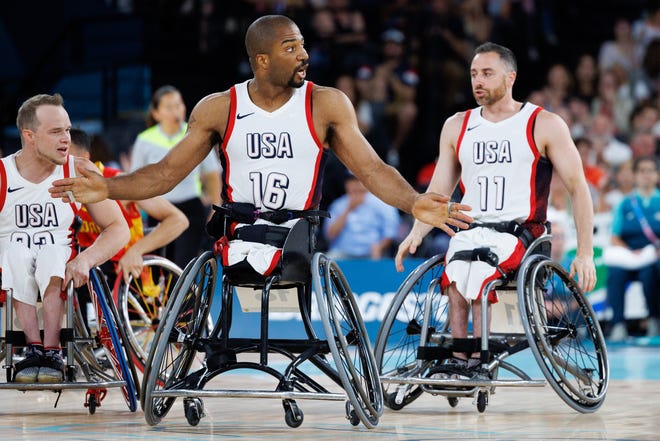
[[212, 111], [330, 103]]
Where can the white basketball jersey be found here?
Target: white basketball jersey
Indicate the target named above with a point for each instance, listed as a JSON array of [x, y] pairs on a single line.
[[503, 175], [28, 213], [273, 160]]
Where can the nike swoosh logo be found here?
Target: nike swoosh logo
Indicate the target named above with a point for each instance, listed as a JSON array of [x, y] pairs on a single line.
[[473, 127], [11, 190], [239, 116]]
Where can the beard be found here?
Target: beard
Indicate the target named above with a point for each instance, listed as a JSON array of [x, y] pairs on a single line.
[[293, 83], [491, 96]]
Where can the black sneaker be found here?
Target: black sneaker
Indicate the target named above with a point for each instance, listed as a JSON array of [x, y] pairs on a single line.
[[52, 368], [27, 370]]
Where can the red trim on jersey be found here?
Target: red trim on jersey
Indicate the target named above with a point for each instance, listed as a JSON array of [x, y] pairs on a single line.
[[3, 185], [230, 128], [273, 263], [460, 140], [533, 194], [312, 131]]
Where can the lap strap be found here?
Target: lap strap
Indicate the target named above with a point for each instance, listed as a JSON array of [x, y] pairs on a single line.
[[511, 227], [478, 254], [267, 234]]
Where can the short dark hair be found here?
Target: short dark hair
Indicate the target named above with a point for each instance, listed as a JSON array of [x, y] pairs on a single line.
[[641, 159], [505, 53], [80, 138]]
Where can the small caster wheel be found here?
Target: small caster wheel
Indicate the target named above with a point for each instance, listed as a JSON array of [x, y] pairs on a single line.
[[390, 400], [91, 404], [351, 415], [194, 410], [482, 401], [453, 401], [293, 416]]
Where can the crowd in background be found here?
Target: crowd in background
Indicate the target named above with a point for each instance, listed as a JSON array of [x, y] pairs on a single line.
[[405, 66]]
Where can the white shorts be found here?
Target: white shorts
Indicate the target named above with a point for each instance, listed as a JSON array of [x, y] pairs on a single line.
[[27, 271], [472, 276]]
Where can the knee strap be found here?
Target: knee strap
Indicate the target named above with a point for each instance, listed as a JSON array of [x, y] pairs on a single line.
[[478, 254]]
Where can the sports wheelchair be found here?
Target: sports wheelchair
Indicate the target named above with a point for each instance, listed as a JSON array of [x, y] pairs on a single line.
[[540, 307], [92, 348], [185, 357]]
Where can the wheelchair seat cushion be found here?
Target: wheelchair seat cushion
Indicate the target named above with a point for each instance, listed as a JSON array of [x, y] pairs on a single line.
[[471, 276]]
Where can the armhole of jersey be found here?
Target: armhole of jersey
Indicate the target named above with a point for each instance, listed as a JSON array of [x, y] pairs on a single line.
[[3, 185], [531, 123], [463, 128], [226, 169], [460, 141], [309, 114], [232, 116]]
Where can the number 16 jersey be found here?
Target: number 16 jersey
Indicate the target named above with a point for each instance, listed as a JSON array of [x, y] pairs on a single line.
[[273, 160]]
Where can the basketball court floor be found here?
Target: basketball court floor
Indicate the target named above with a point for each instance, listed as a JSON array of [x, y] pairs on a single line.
[[631, 412]]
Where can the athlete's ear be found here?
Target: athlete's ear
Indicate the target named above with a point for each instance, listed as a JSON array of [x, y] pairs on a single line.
[[511, 77], [262, 60]]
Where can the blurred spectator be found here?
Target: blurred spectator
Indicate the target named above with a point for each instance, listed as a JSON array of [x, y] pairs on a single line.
[[644, 118], [320, 47], [607, 146], [477, 23], [195, 194], [586, 78], [643, 144], [613, 100], [360, 224], [621, 51], [558, 87], [350, 37], [635, 231], [446, 50], [399, 80], [647, 28], [623, 182], [595, 175]]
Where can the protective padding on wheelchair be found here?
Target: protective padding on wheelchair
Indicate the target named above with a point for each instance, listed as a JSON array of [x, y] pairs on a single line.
[[559, 326], [293, 266]]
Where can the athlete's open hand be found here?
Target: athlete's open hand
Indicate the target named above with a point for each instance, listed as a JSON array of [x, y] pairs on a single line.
[[89, 186], [437, 210]]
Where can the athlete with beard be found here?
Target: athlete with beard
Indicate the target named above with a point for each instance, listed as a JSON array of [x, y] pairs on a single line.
[[273, 132], [501, 154]]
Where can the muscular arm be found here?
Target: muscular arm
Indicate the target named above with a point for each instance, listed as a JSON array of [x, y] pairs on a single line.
[[208, 116], [553, 134], [334, 113], [114, 235], [444, 180], [171, 223]]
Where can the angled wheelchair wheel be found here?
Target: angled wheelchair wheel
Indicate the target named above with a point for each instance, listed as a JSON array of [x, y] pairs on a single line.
[[348, 340], [184, 320], [141, 303], [402, 329], [563, 333], [112, 337]]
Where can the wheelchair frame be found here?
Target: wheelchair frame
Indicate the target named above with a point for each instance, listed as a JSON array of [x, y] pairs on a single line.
[[181, 335], [559, 325], [95, 351]]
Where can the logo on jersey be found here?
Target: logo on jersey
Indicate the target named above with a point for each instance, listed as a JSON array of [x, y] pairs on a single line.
[[269, 145], [11, 190], [491, 152], [239, 116]]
